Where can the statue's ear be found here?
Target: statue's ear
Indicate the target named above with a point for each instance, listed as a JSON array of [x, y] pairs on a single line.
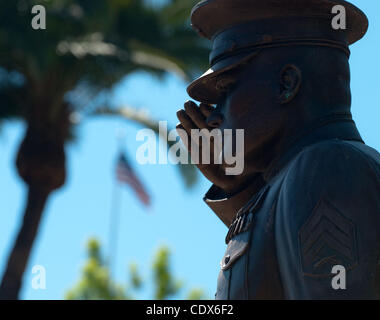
[[289, 83]]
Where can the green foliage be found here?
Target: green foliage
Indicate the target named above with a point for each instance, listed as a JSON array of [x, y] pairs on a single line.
[[196, 294], [96, 283], [135, 277], [166, 286]]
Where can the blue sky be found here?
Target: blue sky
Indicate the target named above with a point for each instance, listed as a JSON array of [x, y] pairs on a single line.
[[178, 216]]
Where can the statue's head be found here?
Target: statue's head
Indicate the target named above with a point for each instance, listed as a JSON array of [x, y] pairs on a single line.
[[276, 66]]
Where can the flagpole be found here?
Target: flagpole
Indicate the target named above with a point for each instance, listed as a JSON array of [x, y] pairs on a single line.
[[114, 222]]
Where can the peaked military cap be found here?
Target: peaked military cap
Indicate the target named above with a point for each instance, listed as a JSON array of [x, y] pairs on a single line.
[[239, 29]]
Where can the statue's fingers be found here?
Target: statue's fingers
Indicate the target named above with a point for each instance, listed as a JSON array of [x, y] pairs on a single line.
[[186, 121], [184, 135], [193, 111], [187, 138], [206, 109], [194, 145]]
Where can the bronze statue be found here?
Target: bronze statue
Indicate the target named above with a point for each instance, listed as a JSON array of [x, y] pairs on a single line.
[[304, 215]]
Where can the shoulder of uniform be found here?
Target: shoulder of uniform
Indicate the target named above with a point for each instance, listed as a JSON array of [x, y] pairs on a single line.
[[332, 145], [332, 167], [335, 154]]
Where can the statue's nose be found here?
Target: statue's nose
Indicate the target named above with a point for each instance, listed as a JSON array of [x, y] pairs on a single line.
[[215, 120]]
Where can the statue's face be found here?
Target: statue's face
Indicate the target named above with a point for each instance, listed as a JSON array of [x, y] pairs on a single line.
[[251, 104], [277, 95]]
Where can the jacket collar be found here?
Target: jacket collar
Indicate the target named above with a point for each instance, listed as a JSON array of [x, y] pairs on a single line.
[[336, 126]]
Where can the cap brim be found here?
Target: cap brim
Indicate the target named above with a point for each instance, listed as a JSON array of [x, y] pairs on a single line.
[[205, 88]]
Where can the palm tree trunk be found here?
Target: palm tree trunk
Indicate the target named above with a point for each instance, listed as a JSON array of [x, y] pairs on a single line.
[[12, 278]]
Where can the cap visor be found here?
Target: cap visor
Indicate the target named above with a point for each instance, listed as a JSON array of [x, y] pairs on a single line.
[[205, 89]]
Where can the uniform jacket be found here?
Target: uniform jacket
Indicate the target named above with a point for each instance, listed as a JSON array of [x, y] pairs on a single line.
[[316, 207]]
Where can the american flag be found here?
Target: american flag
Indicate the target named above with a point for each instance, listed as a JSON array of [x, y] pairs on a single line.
[[125, 174]]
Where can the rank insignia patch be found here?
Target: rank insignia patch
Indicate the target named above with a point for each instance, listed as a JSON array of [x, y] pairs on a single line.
[[327, 238]]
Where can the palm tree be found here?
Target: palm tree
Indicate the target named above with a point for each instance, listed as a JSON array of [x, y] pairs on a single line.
[[87, 47]]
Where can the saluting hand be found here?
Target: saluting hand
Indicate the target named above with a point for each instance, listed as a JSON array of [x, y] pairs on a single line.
[[191, 118]]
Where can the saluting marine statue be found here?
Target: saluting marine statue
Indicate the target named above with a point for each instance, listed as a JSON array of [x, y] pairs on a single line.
[[304, 215]]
